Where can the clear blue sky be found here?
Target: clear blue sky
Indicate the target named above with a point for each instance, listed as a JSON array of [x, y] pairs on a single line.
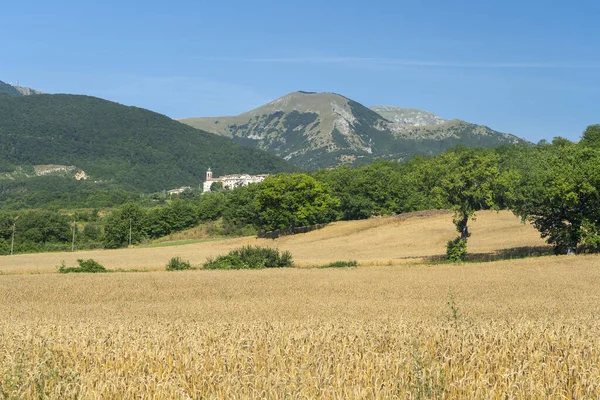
[[527, 67]]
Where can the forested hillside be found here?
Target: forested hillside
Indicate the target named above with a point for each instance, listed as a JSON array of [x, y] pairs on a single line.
[[125, 147]]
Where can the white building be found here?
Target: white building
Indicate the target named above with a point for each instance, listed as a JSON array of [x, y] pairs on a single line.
[[179, 191], [231, 181]]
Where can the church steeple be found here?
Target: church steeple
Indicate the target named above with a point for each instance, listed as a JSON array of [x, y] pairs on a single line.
[[209, 175]]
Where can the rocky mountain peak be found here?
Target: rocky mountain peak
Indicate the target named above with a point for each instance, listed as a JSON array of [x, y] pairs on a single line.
[[317, 130], [404, 118]]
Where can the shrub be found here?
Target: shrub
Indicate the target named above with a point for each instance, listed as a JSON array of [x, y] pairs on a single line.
[[90, 266], [250, 257], [340, 264], [456, 250], [177, 264]]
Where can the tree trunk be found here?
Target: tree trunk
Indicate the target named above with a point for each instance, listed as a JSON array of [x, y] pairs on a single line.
[[463, 228]]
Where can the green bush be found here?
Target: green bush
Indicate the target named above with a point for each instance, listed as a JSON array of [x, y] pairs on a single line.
[[250, 257], [340, 264], [177, 264], [90, 266], [456, 250]]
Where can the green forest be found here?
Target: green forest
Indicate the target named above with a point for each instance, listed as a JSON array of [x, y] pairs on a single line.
[[555, 186], [122, 148]]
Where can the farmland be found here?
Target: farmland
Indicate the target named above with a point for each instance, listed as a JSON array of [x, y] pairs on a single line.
[[388, 240], [395, 327]]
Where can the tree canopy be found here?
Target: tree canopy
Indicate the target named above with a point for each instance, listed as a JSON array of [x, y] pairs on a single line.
[[289, 200], [465, 179], [558, 190]]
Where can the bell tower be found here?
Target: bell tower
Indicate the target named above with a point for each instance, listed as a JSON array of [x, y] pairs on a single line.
[[209, 175]]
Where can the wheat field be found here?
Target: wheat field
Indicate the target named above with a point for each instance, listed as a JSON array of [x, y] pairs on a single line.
[[377, 241], [515, 329]]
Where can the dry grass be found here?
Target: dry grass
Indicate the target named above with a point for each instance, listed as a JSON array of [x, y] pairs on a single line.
[[504, 330], [377, 241]]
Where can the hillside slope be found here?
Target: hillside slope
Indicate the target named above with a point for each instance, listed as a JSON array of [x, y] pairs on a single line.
[[8, 90], [133, 148], [16, 91], [317, 130]]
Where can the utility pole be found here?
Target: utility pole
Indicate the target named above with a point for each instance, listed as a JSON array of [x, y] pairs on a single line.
[[73, 241], [12, 242], [130, 231]]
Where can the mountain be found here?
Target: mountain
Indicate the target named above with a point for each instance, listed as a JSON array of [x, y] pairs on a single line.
[[25, 91], [404, 118], [128, 147], [16, 91], [7, 90], [318, 130]]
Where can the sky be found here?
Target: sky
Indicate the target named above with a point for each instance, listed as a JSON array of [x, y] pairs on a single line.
[[529, 67]]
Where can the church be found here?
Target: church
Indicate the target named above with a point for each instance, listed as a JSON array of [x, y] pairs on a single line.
[[231, 181]]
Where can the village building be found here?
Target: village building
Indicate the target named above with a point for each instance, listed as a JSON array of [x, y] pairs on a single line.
[[231, 181], [179, 190]]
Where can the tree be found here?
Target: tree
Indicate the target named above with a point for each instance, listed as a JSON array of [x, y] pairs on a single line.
[[591, 136], [216, 187], [240, 209], [44, 227], [558, 192], [465, 180], [211, 206], [290, 200], [355, 202], [126, 225], [380, 188]]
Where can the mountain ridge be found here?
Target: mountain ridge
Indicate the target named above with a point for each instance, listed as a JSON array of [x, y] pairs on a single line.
[[317, 130]]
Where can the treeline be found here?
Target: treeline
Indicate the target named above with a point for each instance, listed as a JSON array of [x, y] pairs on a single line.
[[555, 186], [52, 230]]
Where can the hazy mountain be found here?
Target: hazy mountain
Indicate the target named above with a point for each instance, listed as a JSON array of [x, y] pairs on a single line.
[[8, 90], [131, 147], [16, 91], [316, 130], [25, 91]]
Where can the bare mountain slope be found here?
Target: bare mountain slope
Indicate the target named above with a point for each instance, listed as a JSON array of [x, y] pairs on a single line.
[[316, 130], [404, 118]]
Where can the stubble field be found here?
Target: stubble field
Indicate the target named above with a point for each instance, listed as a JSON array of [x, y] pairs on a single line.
[[507, 329]]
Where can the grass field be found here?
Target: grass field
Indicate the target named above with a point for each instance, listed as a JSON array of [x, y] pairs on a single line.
[[508, 329]]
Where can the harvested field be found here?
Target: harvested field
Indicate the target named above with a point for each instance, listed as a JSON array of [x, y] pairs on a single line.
[[377, 241]]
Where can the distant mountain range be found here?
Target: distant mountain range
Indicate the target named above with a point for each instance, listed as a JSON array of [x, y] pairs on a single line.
[[141, 150], [319, 130], [97, 140]]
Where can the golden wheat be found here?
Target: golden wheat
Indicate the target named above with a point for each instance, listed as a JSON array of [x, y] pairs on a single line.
[[518, 329]]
